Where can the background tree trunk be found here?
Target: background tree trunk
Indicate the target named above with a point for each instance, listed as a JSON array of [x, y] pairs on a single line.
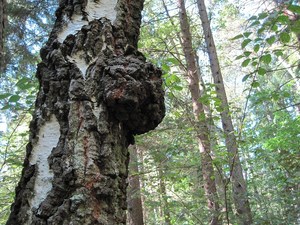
[[199, 114], [3, 20], [164, 198], [135, 207], [96, 92], [238, 182]]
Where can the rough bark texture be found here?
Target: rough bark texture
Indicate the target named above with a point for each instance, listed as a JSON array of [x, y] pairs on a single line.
[[3, 20], [198, 110], [96, 92], [238, 182], [135, 207]]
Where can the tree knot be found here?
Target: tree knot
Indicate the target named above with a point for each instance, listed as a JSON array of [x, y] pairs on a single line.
[[132, 90]]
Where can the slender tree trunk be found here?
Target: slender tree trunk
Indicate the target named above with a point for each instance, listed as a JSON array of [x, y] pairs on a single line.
[[142, 171], [135, 207], [3, 20], [96, 92], [163, 192], [239, 185], [199, 114], [213, 138], [211, 127]]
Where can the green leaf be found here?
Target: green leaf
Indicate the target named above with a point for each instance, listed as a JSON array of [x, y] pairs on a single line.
[[239, 57], [286, 94], [266, 58], [14, 98], [253, 18], [261, 71], [274, 27], [219, 109], [25, 83], [275, 96], [205, 99], [260, 30], [247, 53], [246, 62], [7, 106], [5, 95], [26, 86], [294, 8], [271, 40], [283, 19], [254, 64], [247, 34], [255, 84], [254, 23], [171, 79], [175, 78], [295, 27], [246, 42], [256, 48], [237, 37], [30, 97], [262, 15], [245, 78], [202, 117], [217, 101], [178, 88], [173, 61], [165, 67], [278, 53], [284, 37], [258, 40], [23, 80]]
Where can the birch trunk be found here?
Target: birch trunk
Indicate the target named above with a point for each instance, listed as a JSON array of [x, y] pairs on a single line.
[[238, 182], [199, 114], [96, 92]]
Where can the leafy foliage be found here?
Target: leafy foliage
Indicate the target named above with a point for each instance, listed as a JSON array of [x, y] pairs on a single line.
[[273, 36]]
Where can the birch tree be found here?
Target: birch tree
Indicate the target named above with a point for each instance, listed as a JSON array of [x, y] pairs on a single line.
[[96, 92]]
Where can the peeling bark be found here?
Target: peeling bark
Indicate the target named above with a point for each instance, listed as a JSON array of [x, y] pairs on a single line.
[[96, 92]]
